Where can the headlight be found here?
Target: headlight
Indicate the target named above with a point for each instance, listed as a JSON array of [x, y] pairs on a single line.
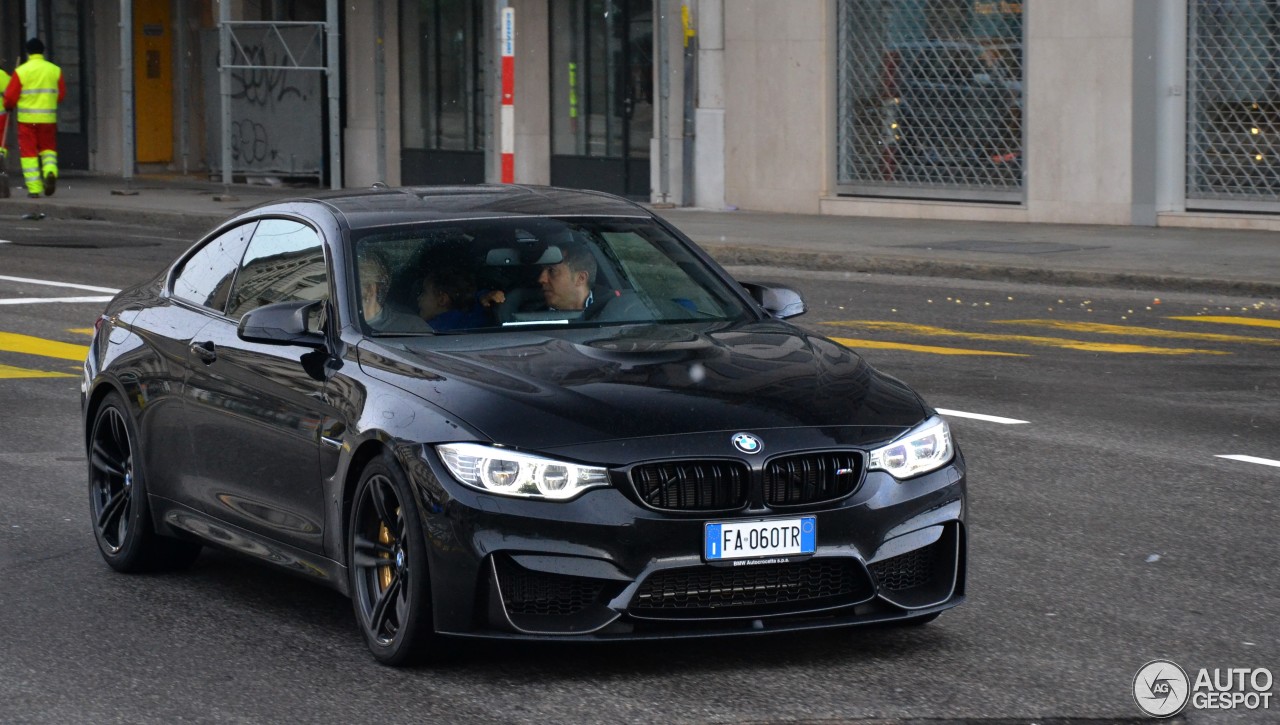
[[509, 473], [925, 448]]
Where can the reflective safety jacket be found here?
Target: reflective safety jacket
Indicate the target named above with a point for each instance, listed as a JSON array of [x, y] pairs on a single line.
[[4, 83], [36, 89]]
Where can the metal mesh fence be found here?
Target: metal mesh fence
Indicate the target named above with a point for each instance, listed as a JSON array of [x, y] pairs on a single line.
[[930, 98], [1233, 130]]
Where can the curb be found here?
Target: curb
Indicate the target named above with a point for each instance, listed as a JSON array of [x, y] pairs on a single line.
[[735, 255], [139, 217], [748, 255]]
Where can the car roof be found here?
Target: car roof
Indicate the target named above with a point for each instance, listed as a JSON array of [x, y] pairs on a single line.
[[382, 206]]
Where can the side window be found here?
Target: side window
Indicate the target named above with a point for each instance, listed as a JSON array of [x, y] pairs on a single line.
[[285, 263], [206, 277]]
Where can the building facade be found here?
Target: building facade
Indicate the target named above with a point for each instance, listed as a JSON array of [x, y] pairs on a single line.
[[1146, 112]]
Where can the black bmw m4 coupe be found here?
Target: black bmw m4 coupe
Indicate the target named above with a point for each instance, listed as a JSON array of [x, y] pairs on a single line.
[[513, 412]]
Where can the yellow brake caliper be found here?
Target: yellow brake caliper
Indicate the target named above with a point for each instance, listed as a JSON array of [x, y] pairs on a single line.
[[384, 572]]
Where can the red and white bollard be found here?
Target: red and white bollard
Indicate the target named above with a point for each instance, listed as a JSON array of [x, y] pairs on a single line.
[[507, 119]]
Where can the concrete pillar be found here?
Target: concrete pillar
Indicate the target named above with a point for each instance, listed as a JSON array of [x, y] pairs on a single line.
[[776, 125], [105, 154], [391, 41], [533, 88], [1078, 111], [708, 179], [360, 136], [1171, 107], [672, 106], [413, 128], [1159, 108]]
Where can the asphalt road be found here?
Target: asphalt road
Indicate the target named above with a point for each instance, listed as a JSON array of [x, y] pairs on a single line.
[[1106, 531]]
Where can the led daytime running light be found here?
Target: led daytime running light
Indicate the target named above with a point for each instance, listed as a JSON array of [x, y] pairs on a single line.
[[926, 448], [510, 473]]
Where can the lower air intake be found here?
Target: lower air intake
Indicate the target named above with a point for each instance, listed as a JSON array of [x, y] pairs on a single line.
[[922, 577], [752, 590], [526, 592], [906, 571]]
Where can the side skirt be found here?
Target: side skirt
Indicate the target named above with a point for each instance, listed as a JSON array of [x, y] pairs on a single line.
[[179, 521]]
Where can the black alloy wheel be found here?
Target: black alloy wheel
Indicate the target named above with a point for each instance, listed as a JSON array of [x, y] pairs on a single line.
[[387, 552], [118, 500]]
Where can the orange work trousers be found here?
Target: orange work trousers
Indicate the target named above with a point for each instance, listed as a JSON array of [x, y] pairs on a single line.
[[38, 149]]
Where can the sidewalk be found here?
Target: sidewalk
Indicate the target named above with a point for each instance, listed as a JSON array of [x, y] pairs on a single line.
[[180, 201], [1245, 263]]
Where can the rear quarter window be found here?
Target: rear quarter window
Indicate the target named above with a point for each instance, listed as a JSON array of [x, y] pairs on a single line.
[[206, 277]]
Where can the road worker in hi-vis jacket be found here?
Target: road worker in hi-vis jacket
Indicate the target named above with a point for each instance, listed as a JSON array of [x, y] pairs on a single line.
[[34, 92]]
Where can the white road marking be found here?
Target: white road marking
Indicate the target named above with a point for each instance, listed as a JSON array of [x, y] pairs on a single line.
[[50, 283], [5, 241], [980, 416], [41, 300], [1253, 459]]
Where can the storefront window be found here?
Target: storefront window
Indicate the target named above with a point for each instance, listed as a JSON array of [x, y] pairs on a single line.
[[602, 94], [443, 81], [930, 98], [584, 80], [1233, 98]]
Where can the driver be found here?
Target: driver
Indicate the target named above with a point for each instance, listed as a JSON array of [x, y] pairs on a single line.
[[566, 285]]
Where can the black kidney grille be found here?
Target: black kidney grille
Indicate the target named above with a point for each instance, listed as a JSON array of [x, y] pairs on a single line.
[[539, 593], [906, 571], [811, 478], [814, 582], [691, 485]]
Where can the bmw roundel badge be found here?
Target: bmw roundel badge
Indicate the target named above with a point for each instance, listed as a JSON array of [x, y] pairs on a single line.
[[747, 443]]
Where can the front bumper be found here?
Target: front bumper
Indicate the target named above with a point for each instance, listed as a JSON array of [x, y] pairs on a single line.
[[604, 567]]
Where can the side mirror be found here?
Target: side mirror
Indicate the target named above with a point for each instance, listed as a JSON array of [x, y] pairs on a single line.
[[285, 323], [781, 302]]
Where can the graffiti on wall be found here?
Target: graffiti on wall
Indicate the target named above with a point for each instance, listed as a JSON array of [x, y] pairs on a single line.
[[276, 115]]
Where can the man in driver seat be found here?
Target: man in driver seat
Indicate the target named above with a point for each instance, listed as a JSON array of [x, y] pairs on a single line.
[[566, 285]]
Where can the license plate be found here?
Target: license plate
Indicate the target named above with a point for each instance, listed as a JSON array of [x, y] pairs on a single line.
[[761, 539]]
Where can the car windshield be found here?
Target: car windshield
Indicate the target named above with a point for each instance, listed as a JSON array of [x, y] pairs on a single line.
[[496, 274]]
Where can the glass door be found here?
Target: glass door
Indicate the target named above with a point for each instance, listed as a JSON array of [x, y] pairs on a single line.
[[602, 94], [442, 95]]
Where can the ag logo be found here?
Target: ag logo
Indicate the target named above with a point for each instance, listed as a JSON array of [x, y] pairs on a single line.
[[1161, 688], [748, 443]]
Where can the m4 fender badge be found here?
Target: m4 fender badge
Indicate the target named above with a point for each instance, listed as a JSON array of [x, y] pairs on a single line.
[[747, 443]]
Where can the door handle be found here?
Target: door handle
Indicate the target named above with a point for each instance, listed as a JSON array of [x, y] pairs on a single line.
[[205, 351]]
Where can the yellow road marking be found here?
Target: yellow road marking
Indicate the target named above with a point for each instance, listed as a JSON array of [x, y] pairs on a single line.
[[13, 342], [882, 345], [8, 372], [1105, 329], [1246, 321], [81, 330], [1058, 342]]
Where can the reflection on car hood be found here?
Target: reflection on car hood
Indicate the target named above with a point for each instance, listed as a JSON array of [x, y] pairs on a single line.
[[543, 389]]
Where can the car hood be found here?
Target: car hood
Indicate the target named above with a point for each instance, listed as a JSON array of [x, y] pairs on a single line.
[[547, 389]]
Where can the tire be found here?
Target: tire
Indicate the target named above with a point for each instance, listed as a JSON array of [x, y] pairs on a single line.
[[118, 506], [387, 563]]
